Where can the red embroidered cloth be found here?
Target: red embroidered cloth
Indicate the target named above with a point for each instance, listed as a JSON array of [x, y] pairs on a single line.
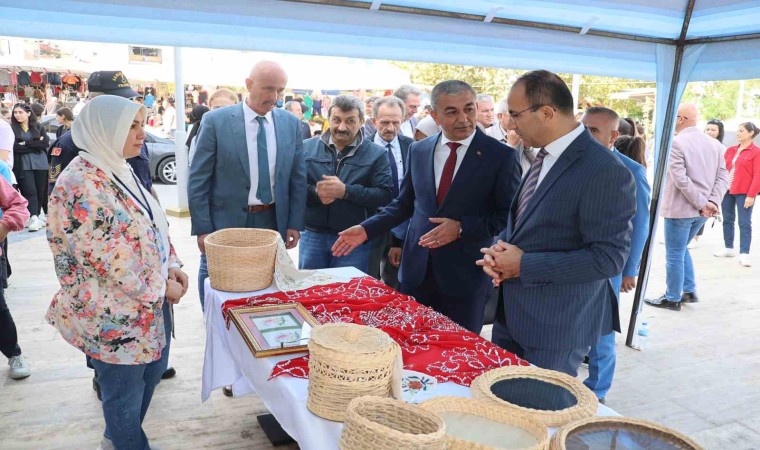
[[430, 342]]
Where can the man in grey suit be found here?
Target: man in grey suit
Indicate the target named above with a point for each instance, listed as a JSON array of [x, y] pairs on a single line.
[[248, 170], [568, 233]]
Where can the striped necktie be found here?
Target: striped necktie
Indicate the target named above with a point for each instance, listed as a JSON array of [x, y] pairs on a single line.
[[529, 188]]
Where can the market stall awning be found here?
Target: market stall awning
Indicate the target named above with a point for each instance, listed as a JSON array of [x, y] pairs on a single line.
[[602, 37]]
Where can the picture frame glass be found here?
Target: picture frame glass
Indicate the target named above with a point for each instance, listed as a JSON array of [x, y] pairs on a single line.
[[276, 329]]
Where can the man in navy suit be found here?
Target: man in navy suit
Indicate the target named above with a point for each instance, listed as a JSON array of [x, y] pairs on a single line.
[[457, 191], [387, 115], [568, 233], [248, 170], [602, 123]]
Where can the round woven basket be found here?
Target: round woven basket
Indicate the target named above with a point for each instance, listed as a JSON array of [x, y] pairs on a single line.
[[376, 423], [586, 402], [665, 437], [347, 361], [496, 414], [241, 259]]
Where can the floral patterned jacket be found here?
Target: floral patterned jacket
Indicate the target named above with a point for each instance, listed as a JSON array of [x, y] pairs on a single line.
[[108, 262]]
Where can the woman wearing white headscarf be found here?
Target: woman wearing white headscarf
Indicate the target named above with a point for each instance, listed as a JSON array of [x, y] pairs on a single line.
[[118, 272]]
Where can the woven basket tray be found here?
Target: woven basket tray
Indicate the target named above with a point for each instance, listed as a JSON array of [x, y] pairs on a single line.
[[586, 402], [665, 437], [347, 361], [241, 259], [375, 423], [496, 414]]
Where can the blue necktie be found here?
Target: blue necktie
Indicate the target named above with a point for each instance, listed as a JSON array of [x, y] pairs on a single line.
[[394, 170], [264, 190]]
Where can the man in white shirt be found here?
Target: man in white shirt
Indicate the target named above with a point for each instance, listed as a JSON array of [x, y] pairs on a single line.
[[485, 111], [387, 115], [169, 119], [410, 95], [500, 132], [456, 191], [568, 233], [248, 170]]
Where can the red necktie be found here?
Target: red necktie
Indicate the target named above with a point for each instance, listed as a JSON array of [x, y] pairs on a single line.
[[448, 172]]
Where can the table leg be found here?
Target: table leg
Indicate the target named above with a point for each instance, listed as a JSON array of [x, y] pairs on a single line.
[[276, 435]]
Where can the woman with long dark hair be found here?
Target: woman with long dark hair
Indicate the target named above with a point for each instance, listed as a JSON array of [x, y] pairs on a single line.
[[195, 121], [66, 119], [715, 130], [633, 147], [30, 163], [743, 165]]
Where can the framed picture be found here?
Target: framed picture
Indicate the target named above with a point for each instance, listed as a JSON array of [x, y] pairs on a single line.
[[274, 330]]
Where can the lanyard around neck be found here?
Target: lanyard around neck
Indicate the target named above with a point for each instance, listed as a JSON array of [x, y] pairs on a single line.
[[144, 203]]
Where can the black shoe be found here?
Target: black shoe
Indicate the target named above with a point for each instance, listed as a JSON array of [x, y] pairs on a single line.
[[585, 360], [603, 401], [96, 387], [168, 373], [664, 303], [689, 297], [227, 390]]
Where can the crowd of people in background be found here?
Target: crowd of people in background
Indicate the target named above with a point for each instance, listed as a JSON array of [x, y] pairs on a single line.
[[443, 201]]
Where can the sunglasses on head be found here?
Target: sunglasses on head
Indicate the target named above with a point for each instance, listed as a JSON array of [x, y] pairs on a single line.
[[23, 106]]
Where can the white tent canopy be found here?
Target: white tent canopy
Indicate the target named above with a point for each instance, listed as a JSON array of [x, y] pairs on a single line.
[[671, 42], [209, 67]]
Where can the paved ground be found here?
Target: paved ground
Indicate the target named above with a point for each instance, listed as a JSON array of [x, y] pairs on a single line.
[[698, 375]]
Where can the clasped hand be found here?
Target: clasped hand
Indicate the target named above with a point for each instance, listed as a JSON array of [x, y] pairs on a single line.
[[330, 189], [176, 285], [501, 261]]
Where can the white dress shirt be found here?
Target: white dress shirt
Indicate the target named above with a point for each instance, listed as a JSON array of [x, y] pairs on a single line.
[[442, 152], [555, 150], [251, 137], [500, 134], [407, 129], [396, 149]]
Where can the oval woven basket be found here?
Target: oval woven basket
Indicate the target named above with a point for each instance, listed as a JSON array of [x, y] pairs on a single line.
[[478, 408], [585, 406], [665, 437], [347, 361], [241, 259], [376, 423]]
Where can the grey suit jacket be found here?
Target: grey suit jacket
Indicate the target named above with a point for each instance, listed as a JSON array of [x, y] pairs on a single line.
[[576, 235], [220, 178]]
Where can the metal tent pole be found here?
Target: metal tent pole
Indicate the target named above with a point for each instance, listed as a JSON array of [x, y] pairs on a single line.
[[659, 177]]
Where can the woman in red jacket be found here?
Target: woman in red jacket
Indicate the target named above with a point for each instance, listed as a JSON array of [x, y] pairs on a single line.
[[743, 165]]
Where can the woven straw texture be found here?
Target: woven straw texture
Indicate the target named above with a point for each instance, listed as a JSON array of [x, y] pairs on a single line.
[[241, 259], [494, 413], [663, 434], [347, 361], [586, 405], [375, 423]]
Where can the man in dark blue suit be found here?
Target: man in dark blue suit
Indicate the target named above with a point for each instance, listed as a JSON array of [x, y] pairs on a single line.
[[602, 123], [387, 116], [569, 232], [457, 191]]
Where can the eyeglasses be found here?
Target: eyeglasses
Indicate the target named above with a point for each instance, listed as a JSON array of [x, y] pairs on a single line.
[[513, 116]]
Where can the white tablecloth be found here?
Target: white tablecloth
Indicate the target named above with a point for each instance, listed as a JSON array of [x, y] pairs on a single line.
[[228, 361]]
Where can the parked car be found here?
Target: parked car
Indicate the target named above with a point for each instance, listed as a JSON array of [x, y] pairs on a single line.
[[163, 166]]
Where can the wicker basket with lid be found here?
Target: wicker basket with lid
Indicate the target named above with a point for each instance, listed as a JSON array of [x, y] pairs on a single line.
[[348, 361]]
